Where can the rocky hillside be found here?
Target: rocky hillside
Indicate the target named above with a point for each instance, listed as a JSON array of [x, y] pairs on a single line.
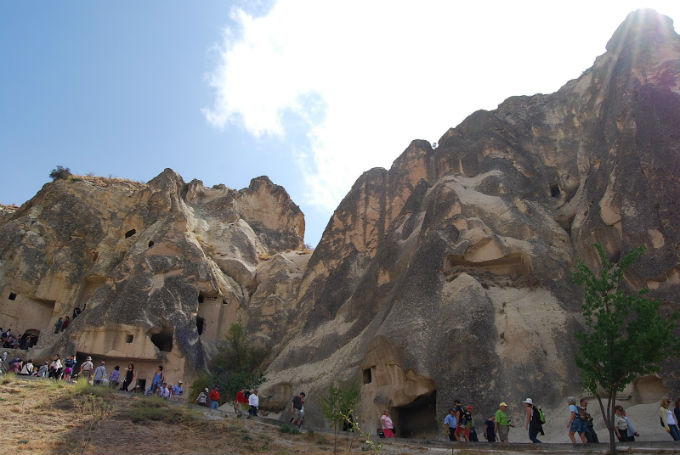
[[447, 276], [162, 269], [444, 277]]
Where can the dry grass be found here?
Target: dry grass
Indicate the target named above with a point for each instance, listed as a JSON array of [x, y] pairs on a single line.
[[45, 417]]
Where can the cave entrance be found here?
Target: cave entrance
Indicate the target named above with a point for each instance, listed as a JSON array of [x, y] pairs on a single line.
[[163, 339], [418, 419]]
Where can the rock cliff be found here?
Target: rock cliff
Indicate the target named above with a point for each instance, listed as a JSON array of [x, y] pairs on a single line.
[[447, 276], [162, 268]]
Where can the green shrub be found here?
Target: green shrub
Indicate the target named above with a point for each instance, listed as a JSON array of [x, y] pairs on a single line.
[[158, 409], [292, 429], [60, 173]]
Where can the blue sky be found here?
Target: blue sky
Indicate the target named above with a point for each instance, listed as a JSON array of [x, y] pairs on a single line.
[[310, 93]]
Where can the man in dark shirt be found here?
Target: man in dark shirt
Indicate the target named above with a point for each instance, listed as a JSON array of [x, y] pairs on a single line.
[[296, 410]]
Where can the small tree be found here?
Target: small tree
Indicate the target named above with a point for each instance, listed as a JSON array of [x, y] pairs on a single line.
[[236, 365], [60, 173], [337, 406], [625, 335]]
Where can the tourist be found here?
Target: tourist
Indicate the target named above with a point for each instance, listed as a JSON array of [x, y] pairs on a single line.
[[67, 320], [620, 424], [490, 429], [129, 377], [56, 367], [164, 391], [632, 432], [69, 366], [202, 398], [502, 422], [668, 419], [76, 312], [114, 377], [178, 391], [158, 379], [86, 368], [467, 422], [27, 368], [296, 409], [241, 403], [57, 326], [460, 429], [533, 421], [575, 423], [450, 423], [99, 373], [676, 410], [387, 425], [215, 398], [591, 436], [43, 371], [253, 403]]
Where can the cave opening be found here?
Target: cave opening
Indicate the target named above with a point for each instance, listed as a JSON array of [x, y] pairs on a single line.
[[200, 324], [555, 190], [417, 419], [12, 296], [130, 233], [163, 339]]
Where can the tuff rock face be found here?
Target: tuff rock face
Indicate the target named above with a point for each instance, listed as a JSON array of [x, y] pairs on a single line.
[[163, 268], [444, 277], [447, 276]]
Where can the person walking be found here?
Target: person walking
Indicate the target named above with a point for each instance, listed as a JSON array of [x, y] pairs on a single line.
[[668, 419], [129, 377], [451, 423], [296, 409], [86, 368], [215, 398], [502, 422], [253, 403], [99, 373], [387, 425], [533, 421], [575, 423]]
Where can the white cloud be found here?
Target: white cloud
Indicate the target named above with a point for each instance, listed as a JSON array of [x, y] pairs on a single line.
[[387, 72]]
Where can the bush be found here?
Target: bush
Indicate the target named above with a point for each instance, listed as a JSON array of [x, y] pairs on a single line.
[[158, 409], [60, 173], [101, 391], [292, 429]]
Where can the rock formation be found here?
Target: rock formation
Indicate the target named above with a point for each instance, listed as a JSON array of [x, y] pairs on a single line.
[[444, 277], [447, 276], [162, 269]]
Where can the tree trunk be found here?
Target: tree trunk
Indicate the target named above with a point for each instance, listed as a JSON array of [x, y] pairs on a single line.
[[608, 417]]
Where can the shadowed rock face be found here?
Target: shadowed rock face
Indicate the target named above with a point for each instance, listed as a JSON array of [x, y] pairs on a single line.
[[164, 267], [453, 266]]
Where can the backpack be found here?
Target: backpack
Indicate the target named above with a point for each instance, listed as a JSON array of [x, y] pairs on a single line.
[[541, 415]]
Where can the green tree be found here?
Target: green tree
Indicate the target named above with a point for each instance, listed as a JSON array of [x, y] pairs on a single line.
[[235, 366], [626, 335], [337, 406], [60, 173]]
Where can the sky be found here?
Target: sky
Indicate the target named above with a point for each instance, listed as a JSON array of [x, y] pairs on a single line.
[[311, 93]]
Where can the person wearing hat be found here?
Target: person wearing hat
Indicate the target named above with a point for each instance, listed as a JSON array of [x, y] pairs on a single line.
[[470, 434], [502, 422], [533, 422], [99, 373], [86, 368]]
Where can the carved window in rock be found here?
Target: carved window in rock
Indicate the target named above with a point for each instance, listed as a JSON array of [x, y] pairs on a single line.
[[367, 376], [12, 296], [130, 233], [555, 190], [163, 340], [129, 338]]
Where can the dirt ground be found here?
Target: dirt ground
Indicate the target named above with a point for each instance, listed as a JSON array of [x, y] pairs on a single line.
[[45, 417]]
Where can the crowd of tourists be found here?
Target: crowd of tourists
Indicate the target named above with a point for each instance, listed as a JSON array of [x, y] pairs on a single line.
[[9, 340], [459, 422], [68, 370]]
